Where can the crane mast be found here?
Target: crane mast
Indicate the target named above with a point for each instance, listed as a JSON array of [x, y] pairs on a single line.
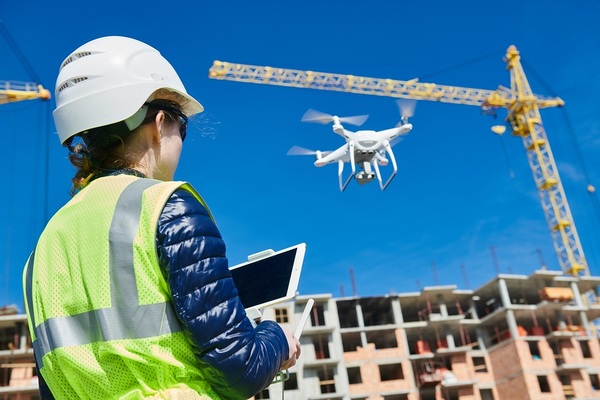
[[524, 117], [523, 114], [11, 91]]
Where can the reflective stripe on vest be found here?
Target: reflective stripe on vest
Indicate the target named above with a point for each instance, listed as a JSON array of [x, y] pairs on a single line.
[[126, 318]]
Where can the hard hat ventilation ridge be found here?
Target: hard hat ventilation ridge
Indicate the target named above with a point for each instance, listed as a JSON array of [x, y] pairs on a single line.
[[74, 57], [71, 82]]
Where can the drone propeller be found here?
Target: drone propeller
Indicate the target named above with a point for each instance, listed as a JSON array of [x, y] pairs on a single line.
[[301, 151], [395, 140], [322, 118], [407, 109]]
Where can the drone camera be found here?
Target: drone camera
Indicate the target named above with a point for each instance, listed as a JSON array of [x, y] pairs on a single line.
[[364, 177]]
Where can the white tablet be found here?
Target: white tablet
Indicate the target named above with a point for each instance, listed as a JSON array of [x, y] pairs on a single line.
[[270, 278]]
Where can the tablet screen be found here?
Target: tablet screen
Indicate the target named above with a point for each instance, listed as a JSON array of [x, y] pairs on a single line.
[[265, 280]]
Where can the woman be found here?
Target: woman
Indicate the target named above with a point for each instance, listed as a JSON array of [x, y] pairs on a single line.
[[128, 292]]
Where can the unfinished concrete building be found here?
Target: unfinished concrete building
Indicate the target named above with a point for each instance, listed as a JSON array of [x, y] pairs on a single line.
[[516, 337], [18, 378]]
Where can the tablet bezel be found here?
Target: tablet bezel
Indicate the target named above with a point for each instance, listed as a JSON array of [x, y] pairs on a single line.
[[294, 279]]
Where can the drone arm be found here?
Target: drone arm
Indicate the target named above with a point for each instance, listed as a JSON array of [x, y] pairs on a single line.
[[339, 130], [393, 134], [381, 160]]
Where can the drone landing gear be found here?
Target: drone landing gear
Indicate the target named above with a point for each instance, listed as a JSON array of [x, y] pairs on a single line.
[[350, 150], [343, 184], [369, 168], [390, 153]]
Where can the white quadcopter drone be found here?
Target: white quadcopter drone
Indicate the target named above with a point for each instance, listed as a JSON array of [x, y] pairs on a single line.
[[367, 149]]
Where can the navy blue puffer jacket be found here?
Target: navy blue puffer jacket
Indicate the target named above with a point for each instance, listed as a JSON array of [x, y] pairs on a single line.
[[238, 359]]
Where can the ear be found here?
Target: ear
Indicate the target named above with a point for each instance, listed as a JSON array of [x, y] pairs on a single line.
[[157, 131]]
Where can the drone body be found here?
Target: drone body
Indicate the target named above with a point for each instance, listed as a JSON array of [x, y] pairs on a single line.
[[364, 150]]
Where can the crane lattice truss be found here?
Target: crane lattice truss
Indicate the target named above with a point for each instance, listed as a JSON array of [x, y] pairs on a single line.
[[523, 114], [11, 91]]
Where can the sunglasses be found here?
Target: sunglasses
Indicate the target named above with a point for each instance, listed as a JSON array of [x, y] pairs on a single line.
[[174, 111]]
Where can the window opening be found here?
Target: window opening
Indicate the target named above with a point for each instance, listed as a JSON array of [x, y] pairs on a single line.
[[291, 383], [585, 349], [534, 349], [486, 394], [321, 345], [263, 394], [354, 375], [281, 315], [326, 379], [543, 382], [317, 316], [391, 372], [350, 341], [479, 364]]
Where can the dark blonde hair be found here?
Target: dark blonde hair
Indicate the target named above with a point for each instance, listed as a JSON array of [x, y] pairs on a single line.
[[102, 150]]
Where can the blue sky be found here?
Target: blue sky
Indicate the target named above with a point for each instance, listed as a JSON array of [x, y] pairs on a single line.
[[460, 190]]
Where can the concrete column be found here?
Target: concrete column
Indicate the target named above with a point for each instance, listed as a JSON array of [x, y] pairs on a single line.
[[510, 315], [512, 323], [22, 329], [450, 340], [399, 318], [585, 322], [443, 307], [480, 338], [361, 323], [359, 315], [579, 302], [472, 308], [397, 311], [576, 294], [504, 295]]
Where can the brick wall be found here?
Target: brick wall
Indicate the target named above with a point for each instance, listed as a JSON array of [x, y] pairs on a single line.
[[505, 363]]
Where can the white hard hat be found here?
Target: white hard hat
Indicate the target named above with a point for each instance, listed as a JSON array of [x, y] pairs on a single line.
[[107, 80]]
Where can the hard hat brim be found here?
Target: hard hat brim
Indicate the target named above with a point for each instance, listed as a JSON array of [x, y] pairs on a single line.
[[121, 98]]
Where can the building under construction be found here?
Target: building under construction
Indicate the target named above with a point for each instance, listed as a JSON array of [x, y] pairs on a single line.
[[516, 337]]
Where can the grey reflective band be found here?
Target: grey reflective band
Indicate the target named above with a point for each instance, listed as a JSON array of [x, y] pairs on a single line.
[[126, 319], [105, 324], [123, 227]]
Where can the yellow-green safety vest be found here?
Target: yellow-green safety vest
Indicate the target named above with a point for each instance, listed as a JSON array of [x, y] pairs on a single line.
[[99, 309]]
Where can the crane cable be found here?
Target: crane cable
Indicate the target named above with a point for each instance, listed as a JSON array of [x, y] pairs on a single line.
[[45, 167], [491, 55], [13, 45], [570, 131], [486, 56], [34, 76]]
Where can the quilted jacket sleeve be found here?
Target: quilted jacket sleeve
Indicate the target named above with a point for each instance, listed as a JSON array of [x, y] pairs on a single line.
[[239, 360]]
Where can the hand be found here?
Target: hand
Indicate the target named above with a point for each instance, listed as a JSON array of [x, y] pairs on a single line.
[[294, 353]]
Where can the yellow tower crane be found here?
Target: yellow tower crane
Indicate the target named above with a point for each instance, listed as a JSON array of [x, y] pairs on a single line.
[[523, 114], [11, 91]]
